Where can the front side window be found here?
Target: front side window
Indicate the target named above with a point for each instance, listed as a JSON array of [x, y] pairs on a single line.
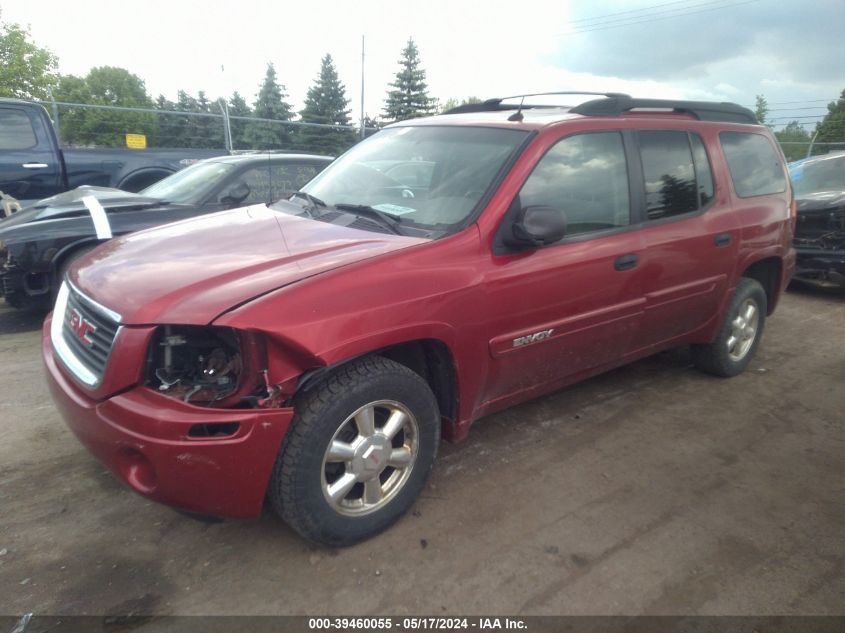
[[16, 130], [756, 169], [428, 179], [586, 177]]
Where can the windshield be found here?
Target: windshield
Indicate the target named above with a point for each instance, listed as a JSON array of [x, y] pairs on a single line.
[[425, 177], [189, 185], [827, 174]]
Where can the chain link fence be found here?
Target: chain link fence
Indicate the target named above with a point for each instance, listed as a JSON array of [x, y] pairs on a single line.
[[86, 125], [81, 125]]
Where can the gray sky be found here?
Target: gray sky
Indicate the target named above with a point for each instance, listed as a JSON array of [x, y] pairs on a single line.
[[701, 49]]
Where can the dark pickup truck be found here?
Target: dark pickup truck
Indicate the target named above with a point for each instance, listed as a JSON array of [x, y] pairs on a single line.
[[33, 166]]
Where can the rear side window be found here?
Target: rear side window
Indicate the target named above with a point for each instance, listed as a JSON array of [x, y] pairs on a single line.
[[16, 130], [586, 177], [672, 184], [756, 168], [703, 173]]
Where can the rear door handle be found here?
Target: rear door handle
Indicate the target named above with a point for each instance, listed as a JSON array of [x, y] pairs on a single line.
[[34, 165], [626, 262], [723, 239]]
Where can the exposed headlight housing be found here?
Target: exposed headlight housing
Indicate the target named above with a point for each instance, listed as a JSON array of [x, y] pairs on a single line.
[[200, 365]]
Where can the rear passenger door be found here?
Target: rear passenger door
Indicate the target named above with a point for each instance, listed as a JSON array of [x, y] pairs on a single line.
[[689, 234]]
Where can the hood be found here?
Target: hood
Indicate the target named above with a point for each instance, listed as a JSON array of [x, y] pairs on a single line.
[[820, 201], [192, 271], [69, 204]]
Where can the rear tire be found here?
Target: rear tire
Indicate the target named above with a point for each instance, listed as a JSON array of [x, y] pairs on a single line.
[[358, 453], [739, 334]]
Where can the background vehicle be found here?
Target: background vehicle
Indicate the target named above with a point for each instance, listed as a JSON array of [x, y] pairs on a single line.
[[819, 184], [313, 351], [33, 166], [39, 243]]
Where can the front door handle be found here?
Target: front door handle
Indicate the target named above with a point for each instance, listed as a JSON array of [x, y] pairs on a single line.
[[626, 262], [723, 239], [34, 165]]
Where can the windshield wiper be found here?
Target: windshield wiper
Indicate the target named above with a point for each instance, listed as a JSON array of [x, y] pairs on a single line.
[[388, 220], [314, 200]]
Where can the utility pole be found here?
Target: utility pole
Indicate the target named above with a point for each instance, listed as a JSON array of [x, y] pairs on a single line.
[[363, 129]]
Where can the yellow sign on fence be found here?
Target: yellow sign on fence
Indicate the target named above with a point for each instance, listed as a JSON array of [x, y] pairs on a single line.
[[136, 141]]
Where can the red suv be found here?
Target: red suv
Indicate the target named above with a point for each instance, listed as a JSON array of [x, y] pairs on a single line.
[[313, 351]]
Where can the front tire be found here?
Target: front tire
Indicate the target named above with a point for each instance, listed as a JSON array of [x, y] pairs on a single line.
[[739, 334], [358, 453]]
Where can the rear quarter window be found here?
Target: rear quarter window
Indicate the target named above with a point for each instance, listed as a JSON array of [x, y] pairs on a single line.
[[756, 168]]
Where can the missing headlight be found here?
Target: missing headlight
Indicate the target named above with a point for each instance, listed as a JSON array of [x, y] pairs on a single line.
[[195, 364]]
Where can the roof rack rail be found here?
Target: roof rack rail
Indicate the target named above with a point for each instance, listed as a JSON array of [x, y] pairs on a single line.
[[496, 105], [615, 105]]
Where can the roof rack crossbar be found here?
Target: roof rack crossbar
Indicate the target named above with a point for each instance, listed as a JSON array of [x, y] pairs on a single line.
[[703, 110]]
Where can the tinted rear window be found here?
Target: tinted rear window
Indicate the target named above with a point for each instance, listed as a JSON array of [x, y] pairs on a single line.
[[756, 168]]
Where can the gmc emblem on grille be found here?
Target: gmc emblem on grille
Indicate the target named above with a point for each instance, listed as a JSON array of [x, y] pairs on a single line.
[[82, 327]]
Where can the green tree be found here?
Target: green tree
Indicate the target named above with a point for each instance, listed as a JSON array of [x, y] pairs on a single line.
[[209, 130], [167, 134], [108, 86], [371, 126], [794, 140], [326, 104], [409, 98], [832, 127], [452, 103], [761, 109], [238, 107], [27, 71], [270, 104]]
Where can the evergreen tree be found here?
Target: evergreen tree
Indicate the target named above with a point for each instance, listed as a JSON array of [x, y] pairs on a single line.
[[186, 126], [326, 104], [270, 104], [168, 124], [409, 98], [209, 129], [371, 126], [832, 127], [238, 107], [761, 109]]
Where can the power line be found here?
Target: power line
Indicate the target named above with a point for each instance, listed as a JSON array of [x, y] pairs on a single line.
[[655, 16], [640, 10]]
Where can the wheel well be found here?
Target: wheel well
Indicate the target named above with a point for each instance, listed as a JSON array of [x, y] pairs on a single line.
[[431, 360], [72, 253], [767, 272]]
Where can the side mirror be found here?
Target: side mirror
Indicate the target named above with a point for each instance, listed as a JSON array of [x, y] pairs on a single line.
[[236, 194], [537, 226]]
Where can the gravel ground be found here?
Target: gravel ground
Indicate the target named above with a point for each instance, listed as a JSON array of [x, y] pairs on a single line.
[[653, 489]]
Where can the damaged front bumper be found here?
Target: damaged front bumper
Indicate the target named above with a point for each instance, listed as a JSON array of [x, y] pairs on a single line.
[[204, 460], [820, 268]]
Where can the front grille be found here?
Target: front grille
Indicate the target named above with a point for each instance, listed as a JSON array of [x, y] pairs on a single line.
[[100, 329]]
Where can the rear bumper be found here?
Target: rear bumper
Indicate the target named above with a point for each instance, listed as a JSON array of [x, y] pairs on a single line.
[[142, 437], [820, 267]]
